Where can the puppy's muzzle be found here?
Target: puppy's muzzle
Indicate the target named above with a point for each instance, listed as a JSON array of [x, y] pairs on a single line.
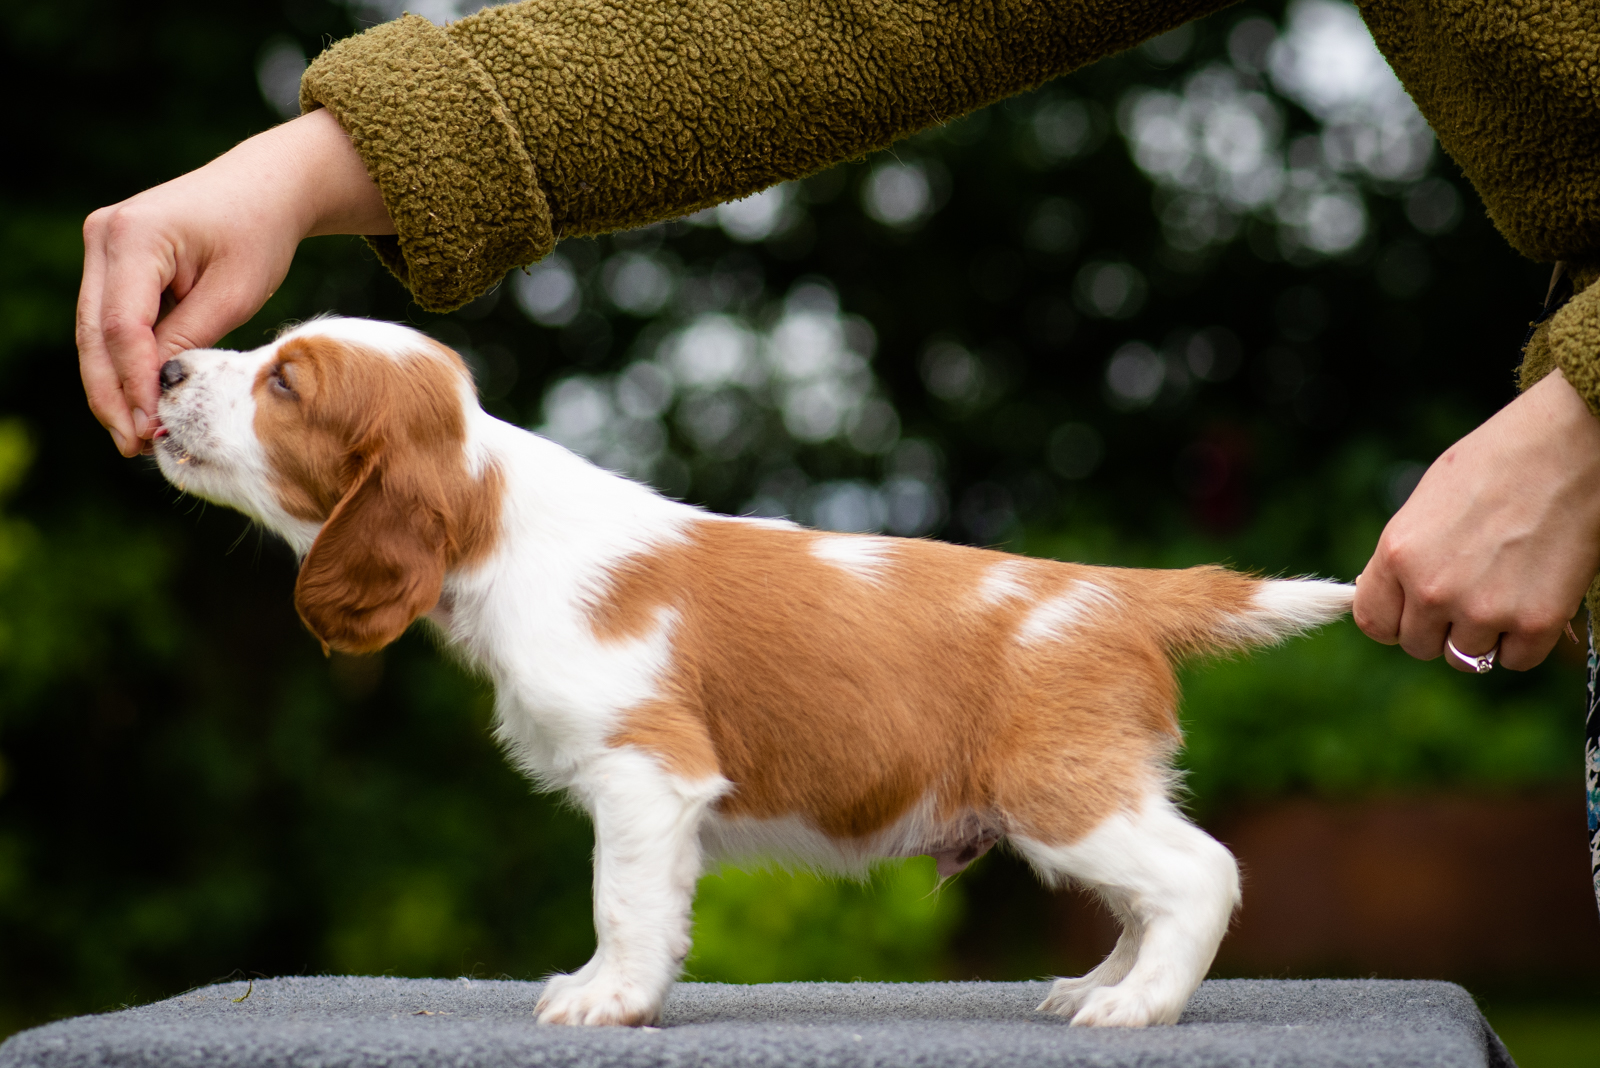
[[172, 373]]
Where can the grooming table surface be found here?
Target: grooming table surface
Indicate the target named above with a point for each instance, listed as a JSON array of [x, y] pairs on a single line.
[[324, 1022]]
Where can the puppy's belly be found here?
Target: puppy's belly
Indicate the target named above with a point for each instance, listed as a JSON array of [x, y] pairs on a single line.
[[794, 841]]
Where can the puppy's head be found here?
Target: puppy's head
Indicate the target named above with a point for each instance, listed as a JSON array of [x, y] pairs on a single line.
[[349, 438]]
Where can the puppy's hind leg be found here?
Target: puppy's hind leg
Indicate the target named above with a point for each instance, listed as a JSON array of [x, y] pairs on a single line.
[[646, 862], [1067, 995], [1179, 887]]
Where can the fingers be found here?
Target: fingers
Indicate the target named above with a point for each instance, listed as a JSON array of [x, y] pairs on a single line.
[[101, 383], [1472, 640], [1521, 650], [127, 266], [1421, 614], [208, 311], [1379, 602], [140, 265]]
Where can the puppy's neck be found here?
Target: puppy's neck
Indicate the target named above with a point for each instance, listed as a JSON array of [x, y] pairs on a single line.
[[566, 524]]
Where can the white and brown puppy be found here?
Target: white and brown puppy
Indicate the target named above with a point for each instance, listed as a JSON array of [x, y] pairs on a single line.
[[709, 687]]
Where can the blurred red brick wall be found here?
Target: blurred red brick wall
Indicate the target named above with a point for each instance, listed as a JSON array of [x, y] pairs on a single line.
[[1455, 887]]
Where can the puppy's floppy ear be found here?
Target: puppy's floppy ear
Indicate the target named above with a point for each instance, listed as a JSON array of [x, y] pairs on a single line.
[[377, 565]]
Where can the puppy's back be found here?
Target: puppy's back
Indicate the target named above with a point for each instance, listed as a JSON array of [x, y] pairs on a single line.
[[848, 680]]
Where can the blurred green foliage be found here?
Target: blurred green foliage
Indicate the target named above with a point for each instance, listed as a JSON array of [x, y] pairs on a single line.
[[188, 789], [767, 926]]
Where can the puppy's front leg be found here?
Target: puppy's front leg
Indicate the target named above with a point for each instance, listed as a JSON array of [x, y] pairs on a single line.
[[646, 861]]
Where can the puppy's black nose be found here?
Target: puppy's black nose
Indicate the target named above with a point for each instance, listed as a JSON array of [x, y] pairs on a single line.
[[172, 372]]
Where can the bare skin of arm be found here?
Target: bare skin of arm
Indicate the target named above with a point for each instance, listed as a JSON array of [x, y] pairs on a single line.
[[178, 266], [1499, 540]]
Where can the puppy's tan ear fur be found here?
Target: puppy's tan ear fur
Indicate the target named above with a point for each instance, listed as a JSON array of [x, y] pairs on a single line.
[[378, 564]]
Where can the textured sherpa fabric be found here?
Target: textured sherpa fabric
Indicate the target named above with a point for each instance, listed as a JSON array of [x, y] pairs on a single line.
[[1574, 340], [367, 1023], [1512, 89], [624, 112], [447, 155]]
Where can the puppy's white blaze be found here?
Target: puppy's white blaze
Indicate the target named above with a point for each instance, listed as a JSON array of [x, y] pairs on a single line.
[[864, 557], [391, 339], [1003, 582], [1052, 617], [1285, 607]]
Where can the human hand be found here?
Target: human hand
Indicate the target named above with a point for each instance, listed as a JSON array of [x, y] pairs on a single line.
[[178, 266], [1500, 539]]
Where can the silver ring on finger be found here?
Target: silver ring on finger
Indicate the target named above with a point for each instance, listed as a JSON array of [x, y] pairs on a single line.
[[1480, 664]]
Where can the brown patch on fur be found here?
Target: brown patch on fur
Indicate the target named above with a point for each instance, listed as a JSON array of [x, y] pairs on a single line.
[[671, 730], [846, 701], [371, 447]]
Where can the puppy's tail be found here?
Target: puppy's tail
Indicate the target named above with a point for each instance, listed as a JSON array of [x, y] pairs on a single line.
[[1213, 610]]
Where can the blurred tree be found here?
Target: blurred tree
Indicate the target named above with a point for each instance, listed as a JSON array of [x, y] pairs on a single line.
[[1219, 298]]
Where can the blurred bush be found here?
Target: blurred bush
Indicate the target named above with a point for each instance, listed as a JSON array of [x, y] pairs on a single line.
[[1217, 299], [767, 926]]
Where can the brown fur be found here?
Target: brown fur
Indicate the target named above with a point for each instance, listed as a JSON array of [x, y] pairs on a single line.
[[846, 700], [371, 446]]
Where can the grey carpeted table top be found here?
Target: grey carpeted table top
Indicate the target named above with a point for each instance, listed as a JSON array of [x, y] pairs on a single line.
[[333, 1022]]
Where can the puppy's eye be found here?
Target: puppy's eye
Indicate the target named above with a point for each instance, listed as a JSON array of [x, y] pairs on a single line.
[[278, 382]]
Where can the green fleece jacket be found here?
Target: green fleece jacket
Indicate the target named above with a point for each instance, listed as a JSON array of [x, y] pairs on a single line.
[[493, 138]]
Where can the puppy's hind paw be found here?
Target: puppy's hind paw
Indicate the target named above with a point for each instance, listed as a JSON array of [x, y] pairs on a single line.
[[1115, 1006], [601, 1002]]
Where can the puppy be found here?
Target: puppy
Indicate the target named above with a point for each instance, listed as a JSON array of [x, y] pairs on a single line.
[[709, 687]]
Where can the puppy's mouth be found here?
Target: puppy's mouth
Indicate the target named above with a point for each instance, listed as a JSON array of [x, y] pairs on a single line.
[[162, 438]]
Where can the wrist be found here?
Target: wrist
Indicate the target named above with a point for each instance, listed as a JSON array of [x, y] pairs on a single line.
[[332, 189], [1559, 410]]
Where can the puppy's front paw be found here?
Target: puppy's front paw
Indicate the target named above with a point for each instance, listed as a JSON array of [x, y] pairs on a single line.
[[603, 1001], [1115, 1006], [1068, 995]]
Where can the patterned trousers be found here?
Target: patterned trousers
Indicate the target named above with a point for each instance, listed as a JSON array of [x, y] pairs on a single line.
[[1591, 763]]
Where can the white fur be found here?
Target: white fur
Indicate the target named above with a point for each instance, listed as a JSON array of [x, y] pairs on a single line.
[[1003, 582], [210, 448], [1284, 607], [391, 339], [864, 557], [1051, 618], [646, 863], [1174, 888], [523, 616], [793, 842]]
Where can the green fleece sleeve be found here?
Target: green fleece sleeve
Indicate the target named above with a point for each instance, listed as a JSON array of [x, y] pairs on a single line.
[[448, 157], [522, 124], [1510, 90], [1575, 343], [1569, 338]]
